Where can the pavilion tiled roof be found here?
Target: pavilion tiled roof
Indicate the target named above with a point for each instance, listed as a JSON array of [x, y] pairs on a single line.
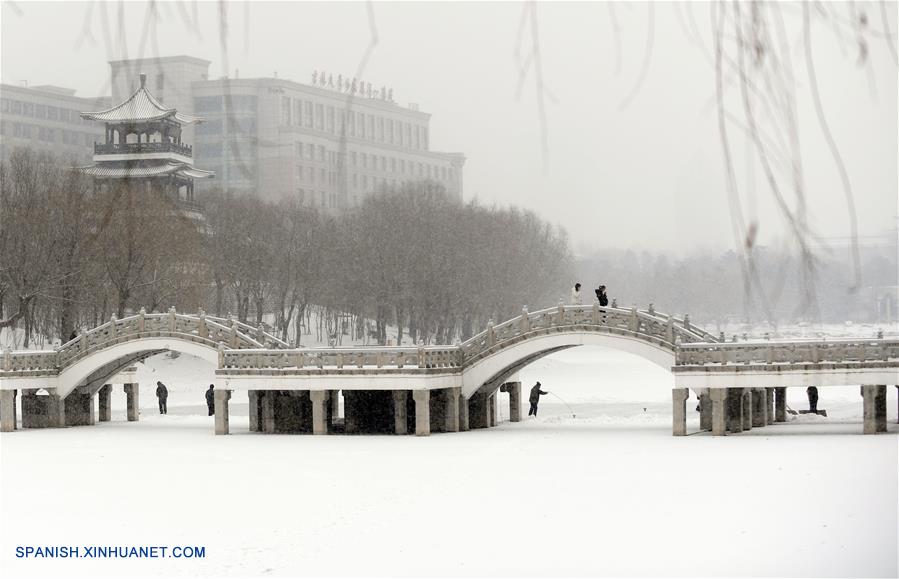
[[139, 107], [136, 172]]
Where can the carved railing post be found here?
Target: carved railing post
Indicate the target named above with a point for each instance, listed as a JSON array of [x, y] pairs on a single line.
[[651, 310], [491, 334], [221, 351], [634, 323], [113, 322], [142, 320], [233, 341], [721, 337], [669, 330], [687, 322], [614, 302], [203, 330], [879, 334], [561, 313], [379, 359], [7, 359], [525, 324], [260, 334], [340, 360], [421, 354], [595, 314], [172, 319]]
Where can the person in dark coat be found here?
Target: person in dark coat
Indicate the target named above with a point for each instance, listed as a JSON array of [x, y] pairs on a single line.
[[536, 393], [162, 394], [601, 295], [812, 393], [210, 400]]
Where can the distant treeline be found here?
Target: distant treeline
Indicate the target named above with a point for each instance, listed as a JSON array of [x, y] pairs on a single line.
[[72, 256]]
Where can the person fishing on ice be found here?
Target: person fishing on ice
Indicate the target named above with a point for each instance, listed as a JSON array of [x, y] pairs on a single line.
[[536, 393]]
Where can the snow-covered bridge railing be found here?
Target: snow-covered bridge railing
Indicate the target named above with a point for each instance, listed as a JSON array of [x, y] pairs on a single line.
[[200, 328], [792, 352], [650, 324], [340, 358]]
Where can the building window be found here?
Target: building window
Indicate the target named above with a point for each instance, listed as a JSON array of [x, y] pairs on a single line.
[[393, 164], [364, 161], [321, 176], [299, 149], [353, 158], [365, 181], [300, 173], [381, 129], [361, 120], [383, 163], [320, 117], [355, 180], [312, 175], [390, 130], [285, 111], [402, 166], [308, 114], [321, 153], [310, 151], [331, 119]]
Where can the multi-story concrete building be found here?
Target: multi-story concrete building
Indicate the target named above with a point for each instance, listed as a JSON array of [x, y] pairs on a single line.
[[47, 118], [326, 145]]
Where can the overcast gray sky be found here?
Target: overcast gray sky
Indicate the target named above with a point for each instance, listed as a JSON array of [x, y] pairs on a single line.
[[648, 175]]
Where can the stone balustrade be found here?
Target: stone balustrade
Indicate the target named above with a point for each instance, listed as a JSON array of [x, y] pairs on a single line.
[[200, 328], [787, 352]]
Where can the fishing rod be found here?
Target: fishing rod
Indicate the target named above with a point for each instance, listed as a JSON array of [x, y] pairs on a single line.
[[565, 403]]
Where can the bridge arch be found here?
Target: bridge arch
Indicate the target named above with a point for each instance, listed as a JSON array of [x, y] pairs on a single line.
[[489, 371], [93, 370]]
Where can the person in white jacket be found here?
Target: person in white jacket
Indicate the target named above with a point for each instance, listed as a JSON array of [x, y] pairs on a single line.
[[576, 294]]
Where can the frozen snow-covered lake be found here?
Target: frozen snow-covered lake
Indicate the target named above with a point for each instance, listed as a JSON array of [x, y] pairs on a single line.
[[606, 492]]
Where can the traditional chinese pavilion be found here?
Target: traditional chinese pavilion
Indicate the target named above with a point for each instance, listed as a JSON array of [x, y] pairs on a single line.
[[143, 144]]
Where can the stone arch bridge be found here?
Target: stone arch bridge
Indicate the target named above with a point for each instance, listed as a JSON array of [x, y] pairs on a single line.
[[436, 388]]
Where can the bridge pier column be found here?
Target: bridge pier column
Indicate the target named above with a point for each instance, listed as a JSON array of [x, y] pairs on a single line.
[[718, 397], [749, 407], [479, 410], [79, 409], [452, 408], [780, 404], [351, 418], [319, 411], [463, 413], [132, 402], [400, 412], [735, 410], [104, 400], [769, 399], [7, 410], [759, 407], [679, 411], [491, 413], [268, 411], [335, 405], [705, 410], [221, 411], [422, 412], [875, 408], [514, 390], [254, 410]]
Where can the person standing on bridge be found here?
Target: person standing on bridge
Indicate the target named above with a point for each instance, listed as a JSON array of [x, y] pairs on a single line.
[[601, 296], [162, 394], [210, 400], [576, 294], [536, 393]]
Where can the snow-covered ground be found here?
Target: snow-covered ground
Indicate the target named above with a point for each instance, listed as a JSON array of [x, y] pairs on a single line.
[[595, 487]]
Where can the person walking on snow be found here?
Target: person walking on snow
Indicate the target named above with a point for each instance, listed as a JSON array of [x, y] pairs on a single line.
[[812, 393], [162, 394], [576, 294], [601, 296], [536, 393], [210, 400]]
